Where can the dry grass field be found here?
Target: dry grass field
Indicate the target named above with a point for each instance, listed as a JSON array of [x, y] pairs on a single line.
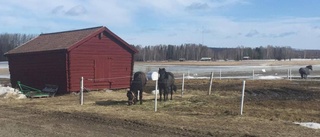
[[270, 108]]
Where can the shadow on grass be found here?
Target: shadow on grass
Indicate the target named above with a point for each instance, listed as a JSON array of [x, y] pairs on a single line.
[[124, 102], [112, 102]]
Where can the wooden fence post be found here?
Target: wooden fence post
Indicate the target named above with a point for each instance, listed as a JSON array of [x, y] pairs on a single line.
[[242, 96], [81, 91], [211, 78], [182, 87]]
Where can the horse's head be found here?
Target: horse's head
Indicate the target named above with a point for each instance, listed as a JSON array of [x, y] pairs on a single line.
[[309, 67], [131, 97], [162, 73]]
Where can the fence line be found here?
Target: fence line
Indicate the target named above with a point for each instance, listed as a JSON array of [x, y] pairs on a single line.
[[254, 74]]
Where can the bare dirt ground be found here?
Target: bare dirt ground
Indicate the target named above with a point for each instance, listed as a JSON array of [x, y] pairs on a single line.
[[270, 108]]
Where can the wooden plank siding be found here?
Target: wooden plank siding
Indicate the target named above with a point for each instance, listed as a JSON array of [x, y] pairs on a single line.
[[62, 58], [103, 64], [49, 68]]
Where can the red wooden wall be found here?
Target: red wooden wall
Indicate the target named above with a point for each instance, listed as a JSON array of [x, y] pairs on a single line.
[[36, 70], [103, 62]]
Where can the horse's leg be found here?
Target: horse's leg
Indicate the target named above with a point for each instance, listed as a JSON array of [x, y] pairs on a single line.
[[140, 96], [136, 97], [166, 94], [160, 92], [171, 91], [134, 100]]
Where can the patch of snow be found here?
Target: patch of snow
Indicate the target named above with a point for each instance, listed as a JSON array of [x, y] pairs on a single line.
[[4, 90], [5, 76], [154, 92], [8, 92], [309, 124], [269, 77], [192, 77]]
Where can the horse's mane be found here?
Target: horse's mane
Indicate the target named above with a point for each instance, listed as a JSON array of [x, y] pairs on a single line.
[[309, 67], [166, 74], [169, 73]]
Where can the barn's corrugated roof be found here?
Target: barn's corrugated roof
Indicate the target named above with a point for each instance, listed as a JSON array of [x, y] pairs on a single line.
[[62, 40]]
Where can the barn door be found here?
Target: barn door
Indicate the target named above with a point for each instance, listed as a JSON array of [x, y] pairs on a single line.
[[102, 69]]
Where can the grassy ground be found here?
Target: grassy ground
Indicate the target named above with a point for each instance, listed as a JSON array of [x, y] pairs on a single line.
[[270, 108]]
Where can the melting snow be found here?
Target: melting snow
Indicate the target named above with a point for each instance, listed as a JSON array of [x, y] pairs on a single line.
[[269, 77], [8, 92], [309, 124], [154, 92]]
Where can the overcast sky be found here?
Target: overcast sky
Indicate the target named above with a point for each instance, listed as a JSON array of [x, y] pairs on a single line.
[[214, 23]]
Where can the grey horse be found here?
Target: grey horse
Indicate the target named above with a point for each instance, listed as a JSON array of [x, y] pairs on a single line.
[[304, 72]]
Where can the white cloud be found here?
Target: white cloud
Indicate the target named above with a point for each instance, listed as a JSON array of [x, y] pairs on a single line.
[[57, 10], [150, 22], [76, 10]]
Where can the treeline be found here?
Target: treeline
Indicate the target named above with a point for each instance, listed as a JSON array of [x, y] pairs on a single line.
[[186, 51], [198, 51], [10, 41], [172, 52]]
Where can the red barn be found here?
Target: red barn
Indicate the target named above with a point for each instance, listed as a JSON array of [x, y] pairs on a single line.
[[62, 58]]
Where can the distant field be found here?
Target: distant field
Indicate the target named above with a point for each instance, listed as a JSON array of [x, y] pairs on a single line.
[[235, 63]]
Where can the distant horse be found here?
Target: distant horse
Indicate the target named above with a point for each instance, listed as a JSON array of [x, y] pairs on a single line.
[[166, 84], [138, 83], [304, 72]]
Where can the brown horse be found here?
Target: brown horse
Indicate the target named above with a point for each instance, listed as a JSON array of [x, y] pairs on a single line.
[[137, 84]]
